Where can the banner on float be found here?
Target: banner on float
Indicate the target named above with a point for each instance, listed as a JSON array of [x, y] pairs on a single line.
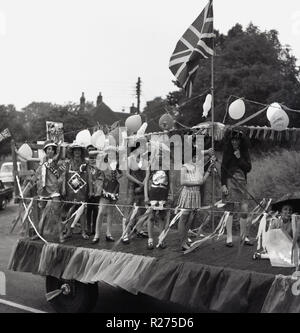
[[55, 131]]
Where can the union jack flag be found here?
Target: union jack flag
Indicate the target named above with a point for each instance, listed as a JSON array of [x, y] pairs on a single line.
[[194, 45]]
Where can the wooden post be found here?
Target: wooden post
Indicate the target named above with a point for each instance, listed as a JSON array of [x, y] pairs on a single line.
[[15, 169]]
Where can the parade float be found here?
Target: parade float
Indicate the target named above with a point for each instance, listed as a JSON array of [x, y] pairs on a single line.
[[208, 277]]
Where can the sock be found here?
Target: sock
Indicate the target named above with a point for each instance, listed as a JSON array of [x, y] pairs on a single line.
[[229, 230]]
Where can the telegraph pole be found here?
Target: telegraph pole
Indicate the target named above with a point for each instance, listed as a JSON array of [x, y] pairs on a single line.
[[138, 94]]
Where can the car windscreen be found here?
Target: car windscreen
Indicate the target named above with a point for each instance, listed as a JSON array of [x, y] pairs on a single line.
[[7, 168]]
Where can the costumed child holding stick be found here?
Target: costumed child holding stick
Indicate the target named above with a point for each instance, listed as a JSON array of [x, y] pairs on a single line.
[[75, 187], [49, 181], [190, 198], [136, 173], [110, 193]]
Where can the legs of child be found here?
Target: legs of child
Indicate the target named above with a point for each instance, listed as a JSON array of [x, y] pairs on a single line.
[[150, 225], [109, 222], [83, 225], [101, 213], [183, 228], [229, 231], [163, 219]]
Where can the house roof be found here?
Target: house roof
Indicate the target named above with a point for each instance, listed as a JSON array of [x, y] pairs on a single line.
[[104, 115]]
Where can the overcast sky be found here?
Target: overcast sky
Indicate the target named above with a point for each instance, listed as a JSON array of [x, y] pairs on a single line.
[[52, 50]]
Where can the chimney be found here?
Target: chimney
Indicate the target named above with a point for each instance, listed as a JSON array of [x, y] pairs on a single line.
[[82, 102], [132, 109], [99, 99]]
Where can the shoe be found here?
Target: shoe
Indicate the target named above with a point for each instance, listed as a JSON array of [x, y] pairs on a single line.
[[125, 240], [185, 247], [85, 236], [256, 256], [109, 238], [248, 243], [163, 245], [229, 244], [95, 240], [141, 234], [150, 246]]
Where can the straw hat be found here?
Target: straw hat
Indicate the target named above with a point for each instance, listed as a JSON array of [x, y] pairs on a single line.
[[49, 143]]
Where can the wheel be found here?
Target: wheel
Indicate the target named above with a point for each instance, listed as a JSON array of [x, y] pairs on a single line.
[[76, 297], [3, 204]]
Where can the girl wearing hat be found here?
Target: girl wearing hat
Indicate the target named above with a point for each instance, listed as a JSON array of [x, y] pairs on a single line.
[[75, 185], [96, 179], [110, 194], [49, 181], [236, 164]]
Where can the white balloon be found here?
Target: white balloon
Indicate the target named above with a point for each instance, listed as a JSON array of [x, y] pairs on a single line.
[[237, 109], [25, 151], [280, 120], [272, 109], [98, 139], [83, 138], [133, 123], [207, 105]]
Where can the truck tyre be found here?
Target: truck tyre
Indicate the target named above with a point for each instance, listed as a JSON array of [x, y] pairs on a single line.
[[3, 204], [77, 297]]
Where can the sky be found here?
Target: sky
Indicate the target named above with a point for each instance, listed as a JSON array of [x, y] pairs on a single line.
[[53, 50]]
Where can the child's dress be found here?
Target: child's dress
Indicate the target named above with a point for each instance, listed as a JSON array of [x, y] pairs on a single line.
[[190, 196]]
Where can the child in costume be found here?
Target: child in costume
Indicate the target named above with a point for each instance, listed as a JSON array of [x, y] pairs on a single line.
[[190, 196], [75, 185], [158, 189], [110, 194], [96, 179], [49, 177]]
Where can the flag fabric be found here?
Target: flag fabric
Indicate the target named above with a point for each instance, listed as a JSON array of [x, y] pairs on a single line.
[[194, 45]]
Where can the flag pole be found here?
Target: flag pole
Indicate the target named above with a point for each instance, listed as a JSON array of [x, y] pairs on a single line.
[[213, 130]]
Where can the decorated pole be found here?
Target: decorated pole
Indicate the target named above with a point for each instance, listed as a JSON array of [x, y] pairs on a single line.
[[213, 129]]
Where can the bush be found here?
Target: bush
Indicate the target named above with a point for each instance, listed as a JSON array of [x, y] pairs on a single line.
[[275, 175]]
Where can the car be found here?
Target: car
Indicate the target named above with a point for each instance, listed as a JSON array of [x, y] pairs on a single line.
[[6, 194], [6, 173]]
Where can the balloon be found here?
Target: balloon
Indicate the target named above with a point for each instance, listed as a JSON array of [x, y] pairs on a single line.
[[272, 109], [98, 140], [237, 109], [166, 122], [25, 151], [142, 130], [207, 105], [133, 123], [280, 120], [83, 138]]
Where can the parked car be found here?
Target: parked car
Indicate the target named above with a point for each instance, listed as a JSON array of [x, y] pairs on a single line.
[[6, 173], [6, 194]]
